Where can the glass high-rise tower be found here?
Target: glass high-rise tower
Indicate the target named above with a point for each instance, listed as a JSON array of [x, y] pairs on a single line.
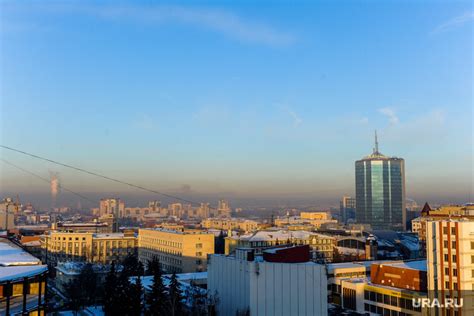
[[380, 191]]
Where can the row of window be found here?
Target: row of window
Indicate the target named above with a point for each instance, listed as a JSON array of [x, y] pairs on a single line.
[[453, 244], [453, 230], [69, 238], [390, 300], [383, 311], [163, 258], [162, 242]]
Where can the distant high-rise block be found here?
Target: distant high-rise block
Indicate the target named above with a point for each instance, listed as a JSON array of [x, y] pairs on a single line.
[[223, 208], [347, 209], [380, 191]]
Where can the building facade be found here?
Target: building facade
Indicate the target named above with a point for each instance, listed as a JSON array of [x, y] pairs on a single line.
[[347, 209], [322, 246], [380, 191], [178, 251], [245, 225], [250, 285], [450, 257], [86, 246]]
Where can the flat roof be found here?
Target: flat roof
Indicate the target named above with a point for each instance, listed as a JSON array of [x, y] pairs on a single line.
[[16, 272], [15, 263], [12, 255], [413, 265]]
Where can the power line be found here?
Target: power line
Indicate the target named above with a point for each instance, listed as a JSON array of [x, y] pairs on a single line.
[[100, 175], [47, 180]]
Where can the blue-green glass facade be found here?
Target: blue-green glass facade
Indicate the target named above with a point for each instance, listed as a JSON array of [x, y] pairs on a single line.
[[380, 192]]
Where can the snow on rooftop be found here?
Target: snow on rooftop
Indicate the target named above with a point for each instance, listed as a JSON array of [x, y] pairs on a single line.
[[12, 255], [109, 235], [183, 278], [16, 272], [352, 251], [16, 263], [282, 235], [413, 265]]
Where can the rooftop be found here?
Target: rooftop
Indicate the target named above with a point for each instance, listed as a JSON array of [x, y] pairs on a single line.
[[413, 265], [180, 232], [12, 255], [281, 235], [16, 263]]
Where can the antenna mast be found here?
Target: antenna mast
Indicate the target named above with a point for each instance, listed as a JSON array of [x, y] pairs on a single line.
[[376, 149]]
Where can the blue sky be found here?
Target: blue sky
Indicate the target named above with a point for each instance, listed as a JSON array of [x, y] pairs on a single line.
[[250, 99]]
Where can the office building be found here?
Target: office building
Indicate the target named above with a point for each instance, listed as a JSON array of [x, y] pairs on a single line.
[[347, 209], [279, 282], [179, 251], [380, 191], [390, 289], [450, 257], [87, 246]]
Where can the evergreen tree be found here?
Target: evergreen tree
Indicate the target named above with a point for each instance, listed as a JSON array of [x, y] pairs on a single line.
[[153, 266], [135, 298], [175, 297], [88, 284], [131, 266], [75, 295], [197, 299], [111, 306], [157, 298]]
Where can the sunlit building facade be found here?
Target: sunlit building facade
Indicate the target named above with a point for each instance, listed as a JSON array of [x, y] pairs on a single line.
[[380, 191]]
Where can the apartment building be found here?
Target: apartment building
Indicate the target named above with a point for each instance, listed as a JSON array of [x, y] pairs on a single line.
[[179, 251], [245, 225], [450, 257]]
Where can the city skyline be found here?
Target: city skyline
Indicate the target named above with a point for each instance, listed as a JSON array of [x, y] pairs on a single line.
[[232, 102]]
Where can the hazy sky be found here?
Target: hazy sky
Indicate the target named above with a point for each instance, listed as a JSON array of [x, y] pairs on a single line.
[[253, 100]]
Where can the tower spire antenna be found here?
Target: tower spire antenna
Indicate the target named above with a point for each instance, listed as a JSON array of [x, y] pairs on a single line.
[[376, 149]]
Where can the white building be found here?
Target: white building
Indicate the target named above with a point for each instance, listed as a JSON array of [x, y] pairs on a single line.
[[246, 284], [450, 259]]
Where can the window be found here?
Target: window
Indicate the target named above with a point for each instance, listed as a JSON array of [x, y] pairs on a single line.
[[386, 299], [445, 243], [446, 257], [454, 258], [472, 273], [472, 245], [446, 284], [472, 259], [453, 231], [453, 244], [455, 272], [455, 285], [446, 271], [379, 298], [366, 293], [393, 301], [445, 230], [372, 296], [198, 246], [366, 307]]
